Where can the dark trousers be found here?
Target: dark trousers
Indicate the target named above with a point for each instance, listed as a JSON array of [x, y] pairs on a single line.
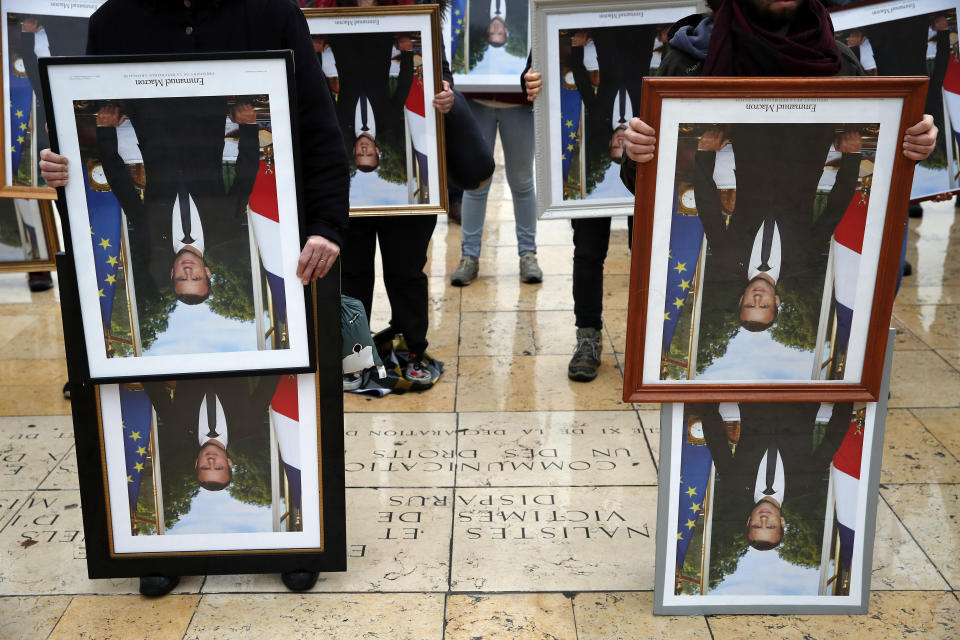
[[403, 249], [591, 238]]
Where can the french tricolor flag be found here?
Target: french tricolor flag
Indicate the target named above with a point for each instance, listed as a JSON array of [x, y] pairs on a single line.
[[265, 216], [285, 409], [417, 119], [846, 480], [847, 247], [951, 94]]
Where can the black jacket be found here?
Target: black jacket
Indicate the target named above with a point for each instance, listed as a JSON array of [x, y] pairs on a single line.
[[789, 194], [791, 426], [166, 26], [176, 143], [364, 67]]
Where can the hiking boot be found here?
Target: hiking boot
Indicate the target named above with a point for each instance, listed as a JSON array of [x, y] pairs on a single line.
[[416, 372], [586, 359], [529, 269], [465, 272]]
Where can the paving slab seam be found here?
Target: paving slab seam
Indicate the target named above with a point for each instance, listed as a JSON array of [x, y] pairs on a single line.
[[916, 542]]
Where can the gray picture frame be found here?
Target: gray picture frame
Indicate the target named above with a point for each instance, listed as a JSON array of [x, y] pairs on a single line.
[[542, 11], [856, 603]]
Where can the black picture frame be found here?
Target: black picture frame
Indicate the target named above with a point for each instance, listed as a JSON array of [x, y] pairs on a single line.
[[204, 365]]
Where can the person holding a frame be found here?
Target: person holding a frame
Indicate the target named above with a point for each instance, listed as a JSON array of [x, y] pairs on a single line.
[[146, 26], [728, 43]]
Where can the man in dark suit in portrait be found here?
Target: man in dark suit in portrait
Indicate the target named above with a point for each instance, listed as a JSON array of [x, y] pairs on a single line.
[[623, 58], [209, 414], [365, 105], [772, 233], [774, 460], [185, 210]]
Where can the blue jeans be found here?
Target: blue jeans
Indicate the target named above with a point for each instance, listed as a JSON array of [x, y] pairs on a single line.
[[516, 136]]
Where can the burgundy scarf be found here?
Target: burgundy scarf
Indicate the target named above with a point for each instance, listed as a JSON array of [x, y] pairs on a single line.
[[739, 47]]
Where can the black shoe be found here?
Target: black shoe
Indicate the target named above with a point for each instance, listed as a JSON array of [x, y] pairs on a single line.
[[915, 210], [66, 389], [158, 585], [907, 269], [299, 580], [39, 280]]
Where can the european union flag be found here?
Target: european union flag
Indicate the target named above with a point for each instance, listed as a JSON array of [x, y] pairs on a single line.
[[686, 235], [694, 474], [570, 104], [104, 210], [458, 17], [136, 413], [21, 100]]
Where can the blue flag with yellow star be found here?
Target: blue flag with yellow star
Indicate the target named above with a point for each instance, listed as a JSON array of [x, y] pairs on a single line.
[[136, 413], [686, 234], [21, 99], [694, 474], [570, 126], [104, 211], [458, 14]]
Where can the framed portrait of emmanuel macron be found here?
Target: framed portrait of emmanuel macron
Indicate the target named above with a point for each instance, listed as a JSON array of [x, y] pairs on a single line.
[[892, 38], [182, 212], [28, 235], [768, 507], [383, 67], [593, 58], [767, 237], [32, 29], [213, 474], [487, 43]]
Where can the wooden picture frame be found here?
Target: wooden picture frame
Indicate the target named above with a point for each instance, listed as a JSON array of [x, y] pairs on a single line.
[[253, 314], [30, 29], [891, 105], [39, 238], [897, 38], [577, 175], [403, 168]]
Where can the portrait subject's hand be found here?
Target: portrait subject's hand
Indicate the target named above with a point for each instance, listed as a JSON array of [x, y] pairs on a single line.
[[243, 113], [317, 257], [580, 39], [53, 168], [920, 139], [641, 141], [713, 140], [404, 43], [849, 142], [443, 101], [533, 83], [109, 116]]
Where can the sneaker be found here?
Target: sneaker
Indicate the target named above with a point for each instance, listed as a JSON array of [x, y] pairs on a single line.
[[416, 372], [586, 359], [352, 381], [465, 272], [529, 269]]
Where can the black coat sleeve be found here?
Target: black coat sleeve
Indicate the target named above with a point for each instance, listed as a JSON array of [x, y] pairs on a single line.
[[839, 199], [248, 161], [709, 209], [323, 159], [117, 175]]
